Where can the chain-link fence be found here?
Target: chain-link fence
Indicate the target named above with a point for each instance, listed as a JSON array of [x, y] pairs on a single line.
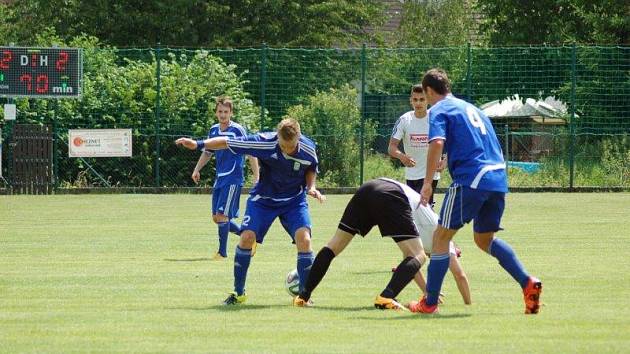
[[349, 100]]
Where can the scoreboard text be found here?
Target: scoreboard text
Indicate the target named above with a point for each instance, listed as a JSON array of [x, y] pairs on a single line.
[[40, 72]]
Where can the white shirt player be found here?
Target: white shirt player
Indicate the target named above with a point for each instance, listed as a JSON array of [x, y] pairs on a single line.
[[414, 133], [424, 217]]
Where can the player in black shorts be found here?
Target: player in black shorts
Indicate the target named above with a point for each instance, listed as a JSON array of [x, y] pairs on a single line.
[[396, 210]]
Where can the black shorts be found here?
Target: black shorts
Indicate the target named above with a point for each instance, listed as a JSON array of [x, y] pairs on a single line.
[[416, 185], [383, 203]]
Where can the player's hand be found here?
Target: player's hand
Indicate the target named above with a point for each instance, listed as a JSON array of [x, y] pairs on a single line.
[[187, 143], [316, 194], [407, 161], [196, 176], [425, 193]]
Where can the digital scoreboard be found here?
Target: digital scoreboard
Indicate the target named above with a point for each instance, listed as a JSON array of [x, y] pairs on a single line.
[[41, 72]]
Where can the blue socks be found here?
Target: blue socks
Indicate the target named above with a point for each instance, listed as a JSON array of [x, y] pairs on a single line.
[[234, 228], [500, 250], [242, 258], [438, 266], [224, 229], [304, 263]]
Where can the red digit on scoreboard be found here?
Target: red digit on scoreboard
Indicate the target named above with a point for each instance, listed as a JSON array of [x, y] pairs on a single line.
[[41, 84], [28, 78], [6, 59], [60, 64]]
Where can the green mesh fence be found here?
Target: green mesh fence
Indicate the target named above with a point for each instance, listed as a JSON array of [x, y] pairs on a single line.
[[348, 101]]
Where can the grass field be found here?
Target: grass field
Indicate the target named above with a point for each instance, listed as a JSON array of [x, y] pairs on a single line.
[[131, 273]]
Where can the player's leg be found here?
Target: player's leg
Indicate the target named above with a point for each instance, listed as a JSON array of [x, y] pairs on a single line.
[[255, 225], [232, 208], [218, 208], [451, 219], [320, 266], [485, 226], [296, 221], [355, 220], [413, 258]]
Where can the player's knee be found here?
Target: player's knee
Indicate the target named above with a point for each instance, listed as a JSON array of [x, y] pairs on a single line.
[[247, 239], [219, 218], [483, 241]]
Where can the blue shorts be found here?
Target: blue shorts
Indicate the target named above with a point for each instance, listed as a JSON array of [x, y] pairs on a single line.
[[463, 204], [259, 217], [225, 200]]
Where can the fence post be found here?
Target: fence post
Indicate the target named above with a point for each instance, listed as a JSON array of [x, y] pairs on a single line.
[[507, 148], [157, 115], [263, 84], [571, 123], [362, 133], [468, 72], [54, 146]]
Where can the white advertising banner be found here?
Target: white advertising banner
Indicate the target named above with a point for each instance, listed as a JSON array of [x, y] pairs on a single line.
[[99, 143]]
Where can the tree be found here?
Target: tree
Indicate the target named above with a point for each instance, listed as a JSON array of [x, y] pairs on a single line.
[[223, 23], [514, 22], [435, 23]]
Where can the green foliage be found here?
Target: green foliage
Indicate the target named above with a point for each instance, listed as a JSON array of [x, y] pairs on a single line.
[[435, 24], [333, 120], [513, 22], [222, 23]]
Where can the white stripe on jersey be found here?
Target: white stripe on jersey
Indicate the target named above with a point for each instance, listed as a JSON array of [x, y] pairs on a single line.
[[289, 157], [309, 150], [228, 172], [253, 144], [228, 205], [484, 170], [258, 196]]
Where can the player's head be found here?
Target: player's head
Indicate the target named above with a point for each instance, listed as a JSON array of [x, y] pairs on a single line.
[[418, 100], [435, 84], [223, 109], [288, 135]]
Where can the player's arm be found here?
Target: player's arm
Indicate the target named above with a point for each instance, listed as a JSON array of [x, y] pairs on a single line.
[[460, 279], [311, 177], [395, 152], [436, 146], [217, 143], [253, 164], [203, 160]]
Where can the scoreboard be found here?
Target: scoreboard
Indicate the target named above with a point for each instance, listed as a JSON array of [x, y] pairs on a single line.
[[41, 72]]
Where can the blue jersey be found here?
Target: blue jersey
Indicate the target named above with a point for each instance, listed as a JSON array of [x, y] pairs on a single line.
[[282, 177], [475, 158], [229, 165]]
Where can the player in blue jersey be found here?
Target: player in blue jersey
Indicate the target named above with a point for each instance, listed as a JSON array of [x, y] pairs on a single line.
[[226, 190], [288, 171], [475, 161]]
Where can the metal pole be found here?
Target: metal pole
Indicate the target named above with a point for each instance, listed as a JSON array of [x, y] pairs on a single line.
[[507, 148], [157, 116], [263, 84], [55, 149], [469, 72], [363, 113], [571, 123]]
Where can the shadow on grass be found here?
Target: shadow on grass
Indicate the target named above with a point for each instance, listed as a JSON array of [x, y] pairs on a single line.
[[227, 308], [186, 259], [370, 272], [418, 317]]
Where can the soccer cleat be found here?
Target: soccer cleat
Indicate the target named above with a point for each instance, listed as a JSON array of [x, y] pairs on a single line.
[[531, 295], [422, 307], [299, 302], [384, 303], [218, 257], [235, 299]]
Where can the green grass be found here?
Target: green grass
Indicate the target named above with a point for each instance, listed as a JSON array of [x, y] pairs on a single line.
[[131, 273]]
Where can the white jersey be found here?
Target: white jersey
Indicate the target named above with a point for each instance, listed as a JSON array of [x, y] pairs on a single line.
[[414, 133], [424, 217]]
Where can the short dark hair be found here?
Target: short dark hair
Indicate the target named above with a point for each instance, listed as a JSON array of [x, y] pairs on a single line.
[[417, 88], [223, 101], [437, 80]]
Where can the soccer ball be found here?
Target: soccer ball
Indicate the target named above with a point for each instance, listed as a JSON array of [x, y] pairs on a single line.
[[292, 283]]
